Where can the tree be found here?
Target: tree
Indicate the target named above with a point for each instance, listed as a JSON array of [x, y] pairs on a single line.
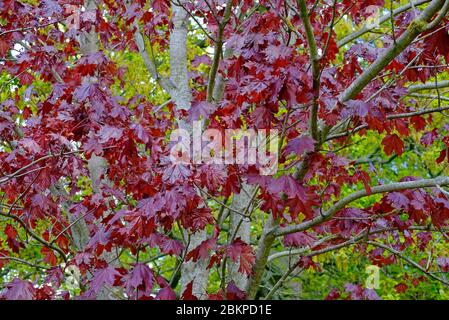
[[93, 206]]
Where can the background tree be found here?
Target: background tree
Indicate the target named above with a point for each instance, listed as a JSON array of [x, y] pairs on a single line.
[[92, 207]]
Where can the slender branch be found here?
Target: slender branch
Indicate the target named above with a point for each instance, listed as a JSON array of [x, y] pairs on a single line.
[[282, 280], [315, 61], [164, 82], [408, 260], [8, 177], [302, 250], [218, 49], [428, 86], [428, 96], [368, 27], [34, 235], [397, 186], [30, 28], [24, 262], [389, 117], [440, 17], [417, 26], [353, 240]]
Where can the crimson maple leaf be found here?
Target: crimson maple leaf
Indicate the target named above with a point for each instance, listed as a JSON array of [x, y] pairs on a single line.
[[187, 294], [392, 143], [139, 282], [242, 252]]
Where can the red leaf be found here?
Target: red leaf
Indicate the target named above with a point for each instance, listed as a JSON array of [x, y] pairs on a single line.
[[140, 280], [187, 294], [202, 251], [49, 256], [401, 288], [234, 293], [241, 251], [166, 293], [392, 143], [4, 48], [300, 145], [19, 290], [201, 109], [103, 277]]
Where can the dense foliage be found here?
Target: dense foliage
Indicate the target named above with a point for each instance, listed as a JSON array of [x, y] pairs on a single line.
[[91, 207]]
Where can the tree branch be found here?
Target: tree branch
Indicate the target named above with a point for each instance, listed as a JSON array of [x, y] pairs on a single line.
[[165, 83], [218, 48], [315, 62], [408, 260], [428, 86], [397, 186], [368, 27], [419, 25], [389, 117]]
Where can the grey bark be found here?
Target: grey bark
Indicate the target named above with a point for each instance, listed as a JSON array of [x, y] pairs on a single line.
[[181, 95], [240, 227]]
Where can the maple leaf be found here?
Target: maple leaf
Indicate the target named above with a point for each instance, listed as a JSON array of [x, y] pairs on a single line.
[[171, 247], [275, 52], [401, 288], [107, 133], [166, 293], [300, 145], [202, 251], [4, 47], [288, 185], [187, 294], [19, 289], [31, 145], [234, 293], [104, 277], [392, 143], [93, 146], [139, 281], [439, 42], [201, 109], [262, 117], [357, 292], [3, 256], [55, 276], [242, 252], [443, 263], [160, 6], [357, 108], [176, 173], [299, 239], [429, 138], [49, 256], [87, 90], [398, 200]]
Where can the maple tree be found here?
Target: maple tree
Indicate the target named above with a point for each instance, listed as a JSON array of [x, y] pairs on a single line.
[[92, 207]]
